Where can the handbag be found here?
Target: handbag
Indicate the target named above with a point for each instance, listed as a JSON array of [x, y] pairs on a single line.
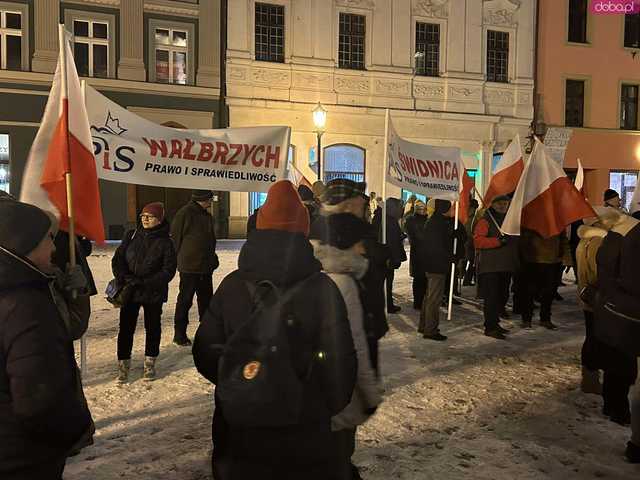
[[117, 293]]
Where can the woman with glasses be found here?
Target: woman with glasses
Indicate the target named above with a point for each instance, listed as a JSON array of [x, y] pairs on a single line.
[[146, 261]]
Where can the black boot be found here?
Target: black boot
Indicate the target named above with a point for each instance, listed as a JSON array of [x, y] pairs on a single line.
[[632, 453]]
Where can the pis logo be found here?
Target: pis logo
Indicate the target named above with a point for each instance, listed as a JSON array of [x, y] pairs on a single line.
[[615, 7], [122, 161]]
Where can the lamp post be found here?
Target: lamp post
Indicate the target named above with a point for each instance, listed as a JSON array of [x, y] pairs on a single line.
[[319, 121]]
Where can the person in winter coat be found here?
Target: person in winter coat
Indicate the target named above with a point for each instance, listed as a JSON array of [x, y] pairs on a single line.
[[194, 236], [611, 199], [278, 251], [414, 227], [438, 255], [618, 263], [395, 242], [42, 414], [542, 258], [146, 262], [309, 201], [341, 254], [497, 260], [83, 251]]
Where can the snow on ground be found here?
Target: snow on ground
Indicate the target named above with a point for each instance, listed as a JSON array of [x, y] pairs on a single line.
[[470, 408]]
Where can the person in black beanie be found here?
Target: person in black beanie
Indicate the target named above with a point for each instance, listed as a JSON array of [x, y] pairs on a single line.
[[612, 199], [309, 201], [42, 415]]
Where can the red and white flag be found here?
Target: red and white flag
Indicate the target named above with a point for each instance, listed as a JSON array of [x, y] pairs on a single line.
[[579, 183], [63, 145], [297, 177], [507, 173], [465, 196], [545, 201]]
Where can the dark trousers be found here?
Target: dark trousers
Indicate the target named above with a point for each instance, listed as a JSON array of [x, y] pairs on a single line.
[[495, 291], [419, 290], [590, 356], [128, 321], [538, 280], [344, 444], [620, 372], [389, 284], [192, 284], [469, 273]]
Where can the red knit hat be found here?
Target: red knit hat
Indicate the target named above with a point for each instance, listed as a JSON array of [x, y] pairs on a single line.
[[156, 209], [283, 210]]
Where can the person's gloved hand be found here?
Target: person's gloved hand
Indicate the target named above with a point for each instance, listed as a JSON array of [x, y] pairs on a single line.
[[503, 240], [74, 279]]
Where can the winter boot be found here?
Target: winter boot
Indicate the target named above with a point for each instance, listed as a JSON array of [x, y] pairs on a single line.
[[123, 370], [149, 368], [632, 453], [590, 381]]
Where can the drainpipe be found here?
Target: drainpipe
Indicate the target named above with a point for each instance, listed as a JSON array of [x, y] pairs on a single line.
[[536, 103], [224, 17]]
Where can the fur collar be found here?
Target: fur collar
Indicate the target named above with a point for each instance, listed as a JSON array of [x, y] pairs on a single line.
[[335, 260], [625, 225], [585, 232]]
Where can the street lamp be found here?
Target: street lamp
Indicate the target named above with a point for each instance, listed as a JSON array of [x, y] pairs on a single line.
[[319, 121]]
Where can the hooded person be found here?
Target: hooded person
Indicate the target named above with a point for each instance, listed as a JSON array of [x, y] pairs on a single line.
[[322, 352], [341, 253], [42, 414], [414, 226], [497, 260], [146, 262], [194, 235], [346, 196], [611, 198]]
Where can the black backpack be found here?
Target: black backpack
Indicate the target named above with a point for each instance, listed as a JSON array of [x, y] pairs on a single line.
[[257, 382]]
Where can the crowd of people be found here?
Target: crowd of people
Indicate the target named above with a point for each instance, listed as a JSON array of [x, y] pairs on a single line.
[[290, 338]]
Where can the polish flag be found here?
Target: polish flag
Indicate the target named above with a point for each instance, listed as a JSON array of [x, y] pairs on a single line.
[[507, 173], [297, 177], [63, 145], [579, 183], [545, 201], [467, 189]]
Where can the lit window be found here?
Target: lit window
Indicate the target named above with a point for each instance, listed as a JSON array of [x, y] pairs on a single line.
[[257, 199], [91, 48], [344, 161], [10, 40], [5, 167], [625, 184], [171, 51]]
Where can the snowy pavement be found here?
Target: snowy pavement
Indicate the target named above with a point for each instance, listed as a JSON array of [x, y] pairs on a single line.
[[469, 408]]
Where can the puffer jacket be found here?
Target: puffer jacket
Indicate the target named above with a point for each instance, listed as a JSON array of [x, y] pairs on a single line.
[[194, 235], [41, 414], [346, 269], [536, 249], [146, 258], [590, 241]]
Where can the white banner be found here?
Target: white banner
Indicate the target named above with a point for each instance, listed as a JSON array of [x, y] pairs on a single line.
[[130, 149], [423, 169], [556, 140]]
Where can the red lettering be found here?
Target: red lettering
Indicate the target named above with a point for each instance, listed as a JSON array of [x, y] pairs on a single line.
[[433, 169], [221, 153], [257, 162], [454, 171], [186, 154], [247, 151], [422, 168], [206, 151], [413, 168], [154, 146], [105, 164], [272, 155], [176, 149], [237, 148], [447, 170]]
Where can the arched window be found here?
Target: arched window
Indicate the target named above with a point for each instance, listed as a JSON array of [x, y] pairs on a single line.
[[256, 199], [344, 161]]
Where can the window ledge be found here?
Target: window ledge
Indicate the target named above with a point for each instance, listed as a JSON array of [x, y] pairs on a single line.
[[578, 44]]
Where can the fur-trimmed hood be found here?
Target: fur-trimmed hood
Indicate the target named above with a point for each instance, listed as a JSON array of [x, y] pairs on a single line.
[[585, 232], [334, 260]]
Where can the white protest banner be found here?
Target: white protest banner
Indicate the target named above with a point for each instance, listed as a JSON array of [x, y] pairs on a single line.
[[130, 149], [424, 169], [556, 141]]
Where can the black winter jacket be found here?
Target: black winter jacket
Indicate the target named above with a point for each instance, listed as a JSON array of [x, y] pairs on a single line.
[[194, 236], [41, 413], [147, 260], [438, 244], [414, 225], [83, 250], [284, 259]]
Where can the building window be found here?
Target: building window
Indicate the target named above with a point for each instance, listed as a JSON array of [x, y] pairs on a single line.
[[91, 48], [632, 31], [578, 21], [344, 161], [171, 55], [497, 56], [427, 49], [574, 103], [5, 166], [269, 32], [11, 48], [625, 184], [629, 107], [351, 44]]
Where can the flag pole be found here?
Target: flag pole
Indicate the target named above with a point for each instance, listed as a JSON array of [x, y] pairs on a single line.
[[453, 263], [385, 169]]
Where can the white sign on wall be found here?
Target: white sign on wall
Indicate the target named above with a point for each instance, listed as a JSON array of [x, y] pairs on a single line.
[[556, 140]]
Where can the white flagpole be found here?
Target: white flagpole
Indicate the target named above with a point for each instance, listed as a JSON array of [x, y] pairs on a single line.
[[83, 340], [385, 167], [453, 263]]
